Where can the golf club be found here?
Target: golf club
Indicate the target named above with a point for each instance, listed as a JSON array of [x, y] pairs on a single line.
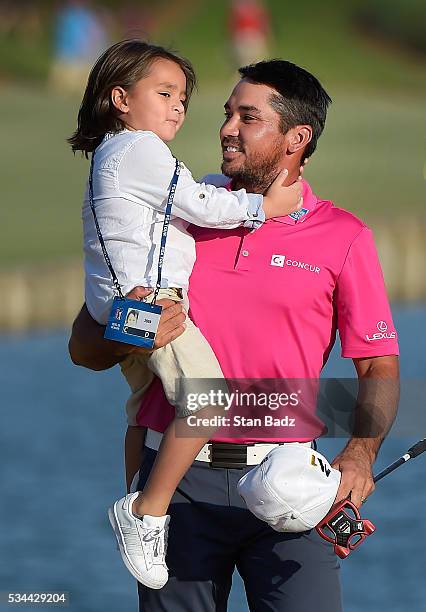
[[343, 525]]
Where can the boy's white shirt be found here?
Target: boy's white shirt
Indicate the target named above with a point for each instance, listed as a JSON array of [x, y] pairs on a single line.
[[130, 197]]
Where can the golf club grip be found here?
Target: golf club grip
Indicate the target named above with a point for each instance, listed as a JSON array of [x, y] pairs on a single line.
[[417, 449]]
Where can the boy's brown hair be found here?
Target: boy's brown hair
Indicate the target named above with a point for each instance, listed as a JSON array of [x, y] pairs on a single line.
[[121, 65]]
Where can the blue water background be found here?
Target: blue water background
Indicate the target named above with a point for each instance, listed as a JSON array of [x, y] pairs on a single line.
[[61, 441]]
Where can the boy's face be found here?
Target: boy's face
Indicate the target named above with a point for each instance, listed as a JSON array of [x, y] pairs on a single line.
[[155, 103], [253, 145]]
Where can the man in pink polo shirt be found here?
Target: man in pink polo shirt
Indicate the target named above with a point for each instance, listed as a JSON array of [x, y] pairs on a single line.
[[269, 302]]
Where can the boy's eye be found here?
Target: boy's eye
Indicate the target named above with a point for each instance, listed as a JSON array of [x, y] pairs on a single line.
[[165, 94]]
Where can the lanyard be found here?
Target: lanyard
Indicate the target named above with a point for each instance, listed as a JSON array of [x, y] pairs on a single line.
[[166, 224]]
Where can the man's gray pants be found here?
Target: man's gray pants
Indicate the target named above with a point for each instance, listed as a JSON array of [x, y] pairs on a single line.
[[212, 533]]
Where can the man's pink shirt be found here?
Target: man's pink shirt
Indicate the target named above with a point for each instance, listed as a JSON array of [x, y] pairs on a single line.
[[270, 301]]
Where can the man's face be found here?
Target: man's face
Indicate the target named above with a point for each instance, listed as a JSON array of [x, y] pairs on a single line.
[[253, 145]]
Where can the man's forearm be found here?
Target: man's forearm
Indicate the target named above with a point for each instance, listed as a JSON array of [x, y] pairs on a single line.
[[377, 402], [377, 405]]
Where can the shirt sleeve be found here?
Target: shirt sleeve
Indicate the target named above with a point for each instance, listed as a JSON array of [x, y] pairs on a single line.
[[364, 317], [145, 175]]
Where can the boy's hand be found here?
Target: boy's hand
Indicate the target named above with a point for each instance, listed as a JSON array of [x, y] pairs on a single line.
[[280, 200], [139, 293]]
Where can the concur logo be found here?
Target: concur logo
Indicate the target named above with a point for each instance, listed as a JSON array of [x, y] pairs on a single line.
[[282, 260], [278, 260], [382, 334]]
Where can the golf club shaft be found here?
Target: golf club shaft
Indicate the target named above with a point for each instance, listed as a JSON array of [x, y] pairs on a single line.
[[412, 452], [391, 468]]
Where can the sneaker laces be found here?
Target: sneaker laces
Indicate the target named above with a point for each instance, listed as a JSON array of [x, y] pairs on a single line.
[[158, 547], [153, 544]]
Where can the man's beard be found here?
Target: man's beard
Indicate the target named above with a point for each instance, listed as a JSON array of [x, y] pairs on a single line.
[[257, 172]]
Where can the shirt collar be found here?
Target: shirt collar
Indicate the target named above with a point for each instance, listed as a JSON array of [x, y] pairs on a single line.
[[310, 202], [109, 135]]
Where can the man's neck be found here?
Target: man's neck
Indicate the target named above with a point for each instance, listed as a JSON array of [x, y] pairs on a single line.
[[261, 187], [292, 177], [249, 186]]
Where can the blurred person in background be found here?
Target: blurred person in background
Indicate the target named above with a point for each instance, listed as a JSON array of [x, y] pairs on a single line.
[[249, 31], [23, 19], [80, 34], [136, 20]]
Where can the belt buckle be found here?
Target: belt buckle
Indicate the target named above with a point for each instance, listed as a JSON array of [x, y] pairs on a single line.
[[228, 455]]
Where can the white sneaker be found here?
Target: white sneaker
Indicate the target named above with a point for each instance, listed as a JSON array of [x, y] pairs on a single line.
[[142, 542]]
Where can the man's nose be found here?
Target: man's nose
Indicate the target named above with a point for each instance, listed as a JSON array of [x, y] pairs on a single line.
[[230, 128]]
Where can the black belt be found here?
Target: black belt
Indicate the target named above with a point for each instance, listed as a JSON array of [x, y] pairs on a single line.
[[228, 455]]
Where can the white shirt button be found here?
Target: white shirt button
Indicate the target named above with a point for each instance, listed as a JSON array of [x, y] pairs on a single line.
[[245, 253], [202, 196]]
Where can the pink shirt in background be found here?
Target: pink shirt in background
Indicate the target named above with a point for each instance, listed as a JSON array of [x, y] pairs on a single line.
[[270, 301]]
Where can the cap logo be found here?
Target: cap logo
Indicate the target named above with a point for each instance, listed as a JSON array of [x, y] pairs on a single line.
[[325, 469]]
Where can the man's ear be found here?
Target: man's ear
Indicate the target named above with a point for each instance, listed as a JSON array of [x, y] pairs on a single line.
[[298, 137], [119, 99]]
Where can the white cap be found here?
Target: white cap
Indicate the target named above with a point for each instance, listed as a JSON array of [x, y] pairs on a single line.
[[292, 489]]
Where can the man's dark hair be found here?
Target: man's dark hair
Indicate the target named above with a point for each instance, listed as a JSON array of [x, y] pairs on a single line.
[[300, 97]]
